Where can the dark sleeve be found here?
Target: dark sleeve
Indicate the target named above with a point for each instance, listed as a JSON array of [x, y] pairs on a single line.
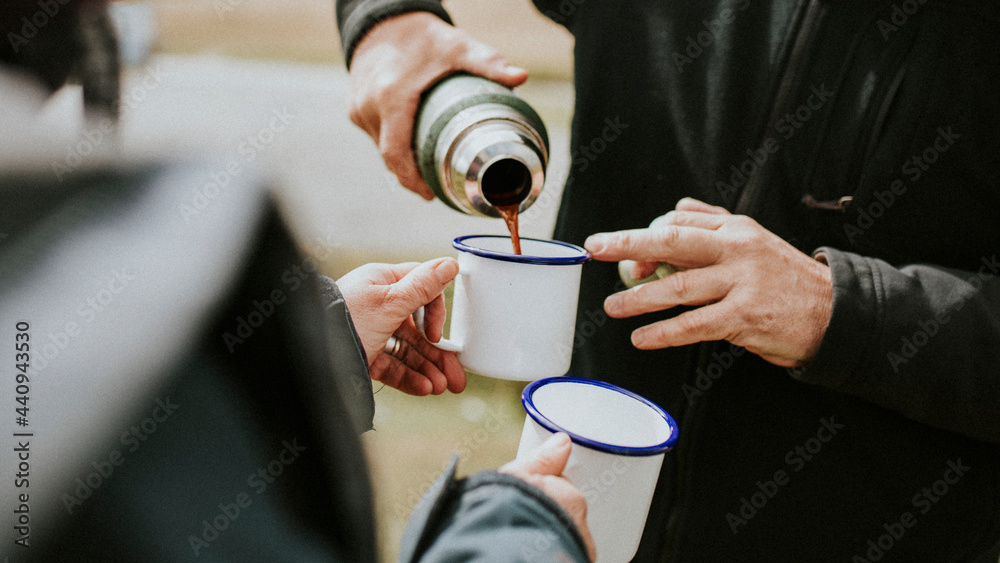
[[356, 17], [492, 517], [921, 340], [348, 353]]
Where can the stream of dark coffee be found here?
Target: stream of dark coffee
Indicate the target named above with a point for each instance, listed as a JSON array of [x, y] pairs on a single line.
[[509, 214]]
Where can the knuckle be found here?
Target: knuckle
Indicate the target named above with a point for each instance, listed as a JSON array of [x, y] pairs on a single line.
[[486, 55], [392, 154], [397, 300], [383, 93], [631, 242], [355, 113], [679, 285], [456, 46], [746, 229], [668, 218], [690, 322], [743, 242], [669, 236]]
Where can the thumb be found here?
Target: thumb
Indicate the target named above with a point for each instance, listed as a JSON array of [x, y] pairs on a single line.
[[507, 74], [550, 458], [424, 283], [485, 61]]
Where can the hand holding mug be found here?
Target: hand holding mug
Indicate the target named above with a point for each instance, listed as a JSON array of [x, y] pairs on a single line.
[[513, 315], [381, 298], [619, 442], [543, 467], [751, 287]]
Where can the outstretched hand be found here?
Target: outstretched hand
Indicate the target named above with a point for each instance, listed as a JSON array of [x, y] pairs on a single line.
[[749, 286], [381, 299]]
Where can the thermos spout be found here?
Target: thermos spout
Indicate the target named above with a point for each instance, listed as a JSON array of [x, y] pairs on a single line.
[[479, 146]]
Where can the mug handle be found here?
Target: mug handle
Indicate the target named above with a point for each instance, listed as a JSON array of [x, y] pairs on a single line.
[[445, 344]]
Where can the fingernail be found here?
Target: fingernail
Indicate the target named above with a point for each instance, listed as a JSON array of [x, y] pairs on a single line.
[[613, 304], [446, 270], [594, 243], [636, 271], [511, 70], [559, 439], [639, 338]]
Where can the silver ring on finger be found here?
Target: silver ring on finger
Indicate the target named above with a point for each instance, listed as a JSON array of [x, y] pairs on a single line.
[[392, 346]]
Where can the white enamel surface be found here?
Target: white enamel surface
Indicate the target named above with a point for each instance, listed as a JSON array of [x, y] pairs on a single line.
[[600, 414], [618, 488], [512, 320]]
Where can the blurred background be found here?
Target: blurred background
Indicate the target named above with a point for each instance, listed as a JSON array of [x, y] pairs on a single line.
[[262, 82]]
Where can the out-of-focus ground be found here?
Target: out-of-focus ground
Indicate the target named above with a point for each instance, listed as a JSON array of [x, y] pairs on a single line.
[[261, 82]]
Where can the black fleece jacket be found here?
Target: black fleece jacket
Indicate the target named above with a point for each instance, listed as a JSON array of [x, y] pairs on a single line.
[[864, 131]]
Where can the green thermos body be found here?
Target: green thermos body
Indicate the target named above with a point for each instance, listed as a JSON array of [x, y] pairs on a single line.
[[479, 146]]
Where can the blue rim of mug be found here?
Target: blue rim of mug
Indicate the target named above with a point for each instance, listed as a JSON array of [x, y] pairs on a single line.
[[584, 255], [529, 407]]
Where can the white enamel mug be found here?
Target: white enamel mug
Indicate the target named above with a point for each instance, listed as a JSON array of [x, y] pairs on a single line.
[[619, 440], [514, 315]]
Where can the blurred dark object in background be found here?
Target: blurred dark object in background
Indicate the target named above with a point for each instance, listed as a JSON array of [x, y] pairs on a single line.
[[57, 41]]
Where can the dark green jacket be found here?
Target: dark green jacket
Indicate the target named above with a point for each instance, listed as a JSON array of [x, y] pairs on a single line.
[[781, 110]]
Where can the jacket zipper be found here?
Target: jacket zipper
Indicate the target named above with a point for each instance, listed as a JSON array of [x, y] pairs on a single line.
[[750, 197], [745, 205]]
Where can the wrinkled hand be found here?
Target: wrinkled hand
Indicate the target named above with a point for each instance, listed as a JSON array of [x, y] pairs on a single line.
[[392, 66], [381, 298], [543, 468], [753, 289]]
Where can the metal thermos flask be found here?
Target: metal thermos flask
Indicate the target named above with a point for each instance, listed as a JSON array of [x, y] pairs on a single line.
[[480, 146]]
